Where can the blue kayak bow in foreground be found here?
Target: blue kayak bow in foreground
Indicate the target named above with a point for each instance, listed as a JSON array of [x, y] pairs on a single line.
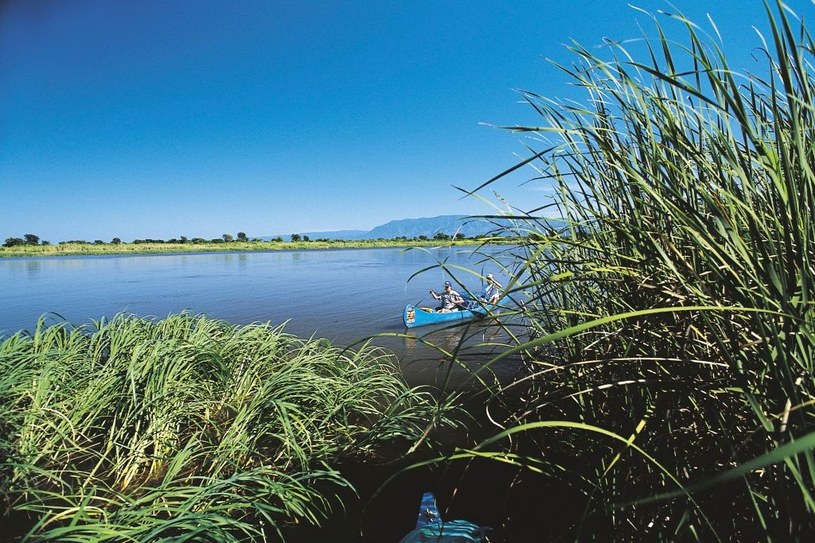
[[431, 528]]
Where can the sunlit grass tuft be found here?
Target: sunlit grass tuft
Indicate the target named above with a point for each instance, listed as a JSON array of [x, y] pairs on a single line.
[[188, 428]]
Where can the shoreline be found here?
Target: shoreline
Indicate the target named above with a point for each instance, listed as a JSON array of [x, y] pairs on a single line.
[[91, 249]]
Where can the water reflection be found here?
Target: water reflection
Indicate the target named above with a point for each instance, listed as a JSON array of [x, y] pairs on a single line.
[[33, 268], [458, 357]]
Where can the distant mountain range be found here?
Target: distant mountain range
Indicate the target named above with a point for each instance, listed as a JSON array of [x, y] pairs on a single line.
[[410, 228]]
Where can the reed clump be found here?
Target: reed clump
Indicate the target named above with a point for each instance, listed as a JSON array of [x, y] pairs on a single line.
[[187, 428], [671, 381]]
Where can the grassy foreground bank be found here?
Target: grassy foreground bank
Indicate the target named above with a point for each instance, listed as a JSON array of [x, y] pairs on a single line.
[[79, 249], [187, 429]]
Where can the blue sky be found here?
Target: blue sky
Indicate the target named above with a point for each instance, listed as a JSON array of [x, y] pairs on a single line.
[[160, 119]]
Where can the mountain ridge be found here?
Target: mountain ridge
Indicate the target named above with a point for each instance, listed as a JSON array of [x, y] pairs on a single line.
[[412, 228]]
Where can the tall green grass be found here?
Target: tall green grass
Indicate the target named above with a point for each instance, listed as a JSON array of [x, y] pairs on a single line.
[[187, 429], [671, 362]]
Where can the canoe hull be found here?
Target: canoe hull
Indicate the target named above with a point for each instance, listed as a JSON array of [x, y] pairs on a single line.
[[414, 316], [431, 527]]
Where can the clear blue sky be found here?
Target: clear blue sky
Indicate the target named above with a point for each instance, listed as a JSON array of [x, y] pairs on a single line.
[[160, 119]]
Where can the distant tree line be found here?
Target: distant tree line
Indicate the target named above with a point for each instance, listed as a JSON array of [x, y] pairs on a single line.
[[31, 239], [28, 239]]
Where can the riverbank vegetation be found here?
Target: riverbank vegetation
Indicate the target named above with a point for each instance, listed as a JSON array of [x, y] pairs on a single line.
[[672, 367], [78, 248], [188, 429]]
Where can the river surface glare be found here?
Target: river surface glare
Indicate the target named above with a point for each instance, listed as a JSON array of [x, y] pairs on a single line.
[[342, 295]]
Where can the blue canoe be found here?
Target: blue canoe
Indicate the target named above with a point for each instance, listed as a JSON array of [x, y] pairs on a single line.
[[431, 528], [422, 316]]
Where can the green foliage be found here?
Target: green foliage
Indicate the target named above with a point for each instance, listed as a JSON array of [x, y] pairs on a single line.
[[28, 239], [187, 428], [14, 242], [671, 349]]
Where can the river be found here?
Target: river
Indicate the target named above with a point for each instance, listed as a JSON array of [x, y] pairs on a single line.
[[343, 295]]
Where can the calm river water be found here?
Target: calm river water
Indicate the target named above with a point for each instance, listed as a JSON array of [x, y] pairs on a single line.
[[342, 295]]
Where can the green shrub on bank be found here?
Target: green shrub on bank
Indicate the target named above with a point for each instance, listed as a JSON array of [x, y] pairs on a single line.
[[186, 428]]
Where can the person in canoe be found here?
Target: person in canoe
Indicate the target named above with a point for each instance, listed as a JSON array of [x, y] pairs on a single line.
[[450, 299], [492, 290]]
